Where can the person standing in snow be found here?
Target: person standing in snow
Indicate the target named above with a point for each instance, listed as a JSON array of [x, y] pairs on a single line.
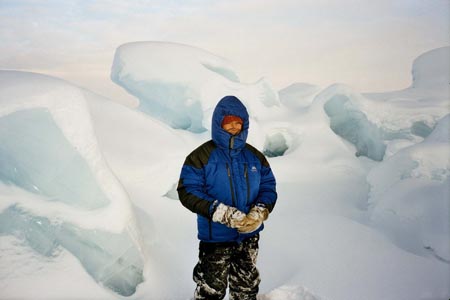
[[230, 186]]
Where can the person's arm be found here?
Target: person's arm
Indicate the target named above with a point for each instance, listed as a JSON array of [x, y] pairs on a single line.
[[267, 195], [191, 185], [190, 191]]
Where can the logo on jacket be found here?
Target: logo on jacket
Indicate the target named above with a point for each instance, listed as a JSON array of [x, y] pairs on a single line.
[[253, 169]]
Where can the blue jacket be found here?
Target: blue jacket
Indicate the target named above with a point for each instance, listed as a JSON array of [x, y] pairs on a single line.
[[228, 169]]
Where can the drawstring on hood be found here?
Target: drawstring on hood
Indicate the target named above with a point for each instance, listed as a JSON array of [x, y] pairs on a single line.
[[229, 105]]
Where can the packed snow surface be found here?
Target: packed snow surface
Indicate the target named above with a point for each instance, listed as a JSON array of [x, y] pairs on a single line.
[[87, 186]]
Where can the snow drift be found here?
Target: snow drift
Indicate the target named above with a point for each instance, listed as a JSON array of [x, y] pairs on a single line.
[[57, 191], [363, 210]]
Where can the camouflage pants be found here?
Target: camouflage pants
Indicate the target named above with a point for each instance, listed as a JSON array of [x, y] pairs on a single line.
[[222, 262]]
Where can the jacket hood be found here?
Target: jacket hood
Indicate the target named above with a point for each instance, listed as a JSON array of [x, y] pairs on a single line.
[[229, 105]]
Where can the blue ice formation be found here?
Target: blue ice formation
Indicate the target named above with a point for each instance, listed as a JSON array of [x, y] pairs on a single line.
[[431, 70], [180, 85], [420, 128], [36, 156], [111, 259], [275, 145], [347, 121], [167, 78]]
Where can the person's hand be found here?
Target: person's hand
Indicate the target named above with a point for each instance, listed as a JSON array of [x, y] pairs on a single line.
[[258, 213], [229, 216], [254, 219]]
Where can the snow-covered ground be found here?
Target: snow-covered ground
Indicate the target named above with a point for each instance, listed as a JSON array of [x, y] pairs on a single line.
[[89, 210]]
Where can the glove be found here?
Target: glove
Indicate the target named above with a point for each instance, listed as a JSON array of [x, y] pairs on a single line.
[[254, 219], [228, 215], [258, 213]]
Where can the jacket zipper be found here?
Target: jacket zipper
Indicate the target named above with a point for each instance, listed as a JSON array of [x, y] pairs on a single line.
[[230, 177], [233, 196], [247, 181], [233, 200]]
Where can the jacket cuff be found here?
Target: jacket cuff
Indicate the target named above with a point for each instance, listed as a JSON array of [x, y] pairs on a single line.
[[260, 204], [213, 207]]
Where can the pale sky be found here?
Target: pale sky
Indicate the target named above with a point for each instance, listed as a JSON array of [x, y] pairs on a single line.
[[367, 44]]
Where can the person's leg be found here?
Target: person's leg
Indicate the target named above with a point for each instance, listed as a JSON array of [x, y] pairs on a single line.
[[244, 276], [211, 271]]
